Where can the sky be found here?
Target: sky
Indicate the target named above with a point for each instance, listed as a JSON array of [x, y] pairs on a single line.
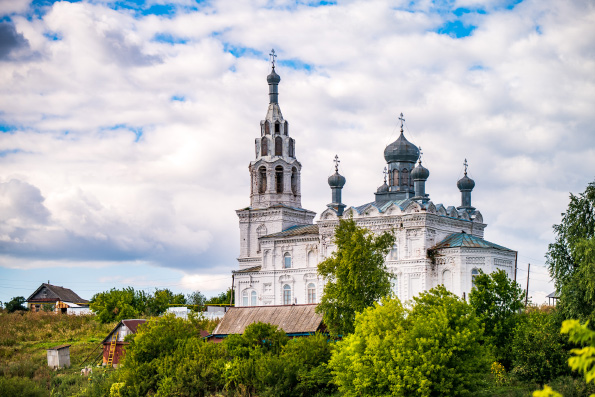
[[127, 127]]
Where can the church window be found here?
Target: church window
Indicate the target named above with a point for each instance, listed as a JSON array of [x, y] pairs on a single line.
[[265, 259], [291, 148], [278, 146], [311, 259], [267, 128], [474, 274], [287, 294], [287, 260], [311, 293], [277, 128], [404, 177], [396, 281], [245, 298], [286, 129], [394, 253], [279, 178], [395, 181], [260, 231], [264, 147], [294, 179], [262, 180], [253, 298]]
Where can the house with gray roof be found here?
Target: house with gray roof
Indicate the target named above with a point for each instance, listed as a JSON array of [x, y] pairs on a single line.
[[63, 300], [281, 245]]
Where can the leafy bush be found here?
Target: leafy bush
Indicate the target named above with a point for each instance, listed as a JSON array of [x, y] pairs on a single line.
[[433, 348], [22, 387]]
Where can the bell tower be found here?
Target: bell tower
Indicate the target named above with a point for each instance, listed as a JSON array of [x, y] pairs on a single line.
[[275, 189]]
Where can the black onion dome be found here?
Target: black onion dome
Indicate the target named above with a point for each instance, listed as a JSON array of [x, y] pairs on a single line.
[[273, 78], [383, 188], [401, 150], [420, 172], [336, 180], [466, 183]]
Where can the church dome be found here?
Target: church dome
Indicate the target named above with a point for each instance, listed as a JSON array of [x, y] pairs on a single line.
[[420, 172], [383, 188], [466, 183], [273, 78], [336, 180], [401, 150]]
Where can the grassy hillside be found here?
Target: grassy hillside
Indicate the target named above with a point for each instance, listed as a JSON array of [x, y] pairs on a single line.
[[24, 338]]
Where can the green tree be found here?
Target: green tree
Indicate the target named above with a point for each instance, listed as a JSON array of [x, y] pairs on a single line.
[[433, 348], [222, 299], [571, 258], [160, 301], [15, 304], [539, 350], [196, 298], [116, 305], [355, 274], [497, 300]]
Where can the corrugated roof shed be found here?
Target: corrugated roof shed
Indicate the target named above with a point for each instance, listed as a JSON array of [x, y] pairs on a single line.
[[293, 319], [295, 231], [468, 241]]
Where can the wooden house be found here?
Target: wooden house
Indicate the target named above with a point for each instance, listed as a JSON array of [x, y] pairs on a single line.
[[61, 298], [295, 320], [114, 343]]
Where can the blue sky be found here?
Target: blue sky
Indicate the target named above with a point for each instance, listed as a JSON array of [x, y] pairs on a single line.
[[126, 127]]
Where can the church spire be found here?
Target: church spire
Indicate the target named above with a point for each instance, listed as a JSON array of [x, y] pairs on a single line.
[[273, 79]]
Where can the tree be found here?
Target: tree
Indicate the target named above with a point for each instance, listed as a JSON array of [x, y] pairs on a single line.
[[116, 305], [538, 349], [15, 304], [160, 301], [433, 348], [222, 299], [356, 275], [571, 258], [496, 299], [196, 298]]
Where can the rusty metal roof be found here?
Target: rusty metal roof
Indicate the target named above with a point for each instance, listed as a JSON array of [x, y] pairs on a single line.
[[293, 319], [248, 270], [468, 241], [297, 230]]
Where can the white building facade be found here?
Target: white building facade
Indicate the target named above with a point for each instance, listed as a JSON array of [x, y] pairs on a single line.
[[280, 246]]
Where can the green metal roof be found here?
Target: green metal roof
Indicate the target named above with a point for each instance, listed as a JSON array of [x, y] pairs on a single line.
[[468, 241], [297, 230]]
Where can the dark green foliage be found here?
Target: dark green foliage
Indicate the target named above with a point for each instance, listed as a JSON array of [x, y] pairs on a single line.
[[222, 299], [356, 275], [539, 350], [497, 300], [15, 304], [571, 258], [22, 387], [431, 349], [197, 300]]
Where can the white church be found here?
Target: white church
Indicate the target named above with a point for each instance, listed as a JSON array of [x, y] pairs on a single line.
[[281, 246]]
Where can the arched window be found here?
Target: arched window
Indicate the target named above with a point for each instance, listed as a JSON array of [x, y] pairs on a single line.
[[291, 148], [262, 180], [286, 129], [253, 298], [277, 128], [264, 147], [287, 294], [404, 177], [311, 259], [260, 231], [474, 274], [265, 259], [267, 128], [395, 285], [279, 178], [294, 179], [395, 178], [278, 146], [311, 293], [394, 253], [287, 260], [245, 298]]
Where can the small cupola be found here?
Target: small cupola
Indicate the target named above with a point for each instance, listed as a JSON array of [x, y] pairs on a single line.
[[466, 185], [336, 183]]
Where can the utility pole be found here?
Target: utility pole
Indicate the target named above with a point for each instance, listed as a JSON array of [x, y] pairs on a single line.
[[527, 292]]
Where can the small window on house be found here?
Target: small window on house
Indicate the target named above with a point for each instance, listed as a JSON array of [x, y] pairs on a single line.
[[267, 128], [245, 298], [279, 178], [286, 129], [277, 127], [287, 260], [264, 147], [253, 298], [474, 274], [278, 146], [291, 148], [294, 179], [311, 293], [262, 180], [405, 177], [287, 294]]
